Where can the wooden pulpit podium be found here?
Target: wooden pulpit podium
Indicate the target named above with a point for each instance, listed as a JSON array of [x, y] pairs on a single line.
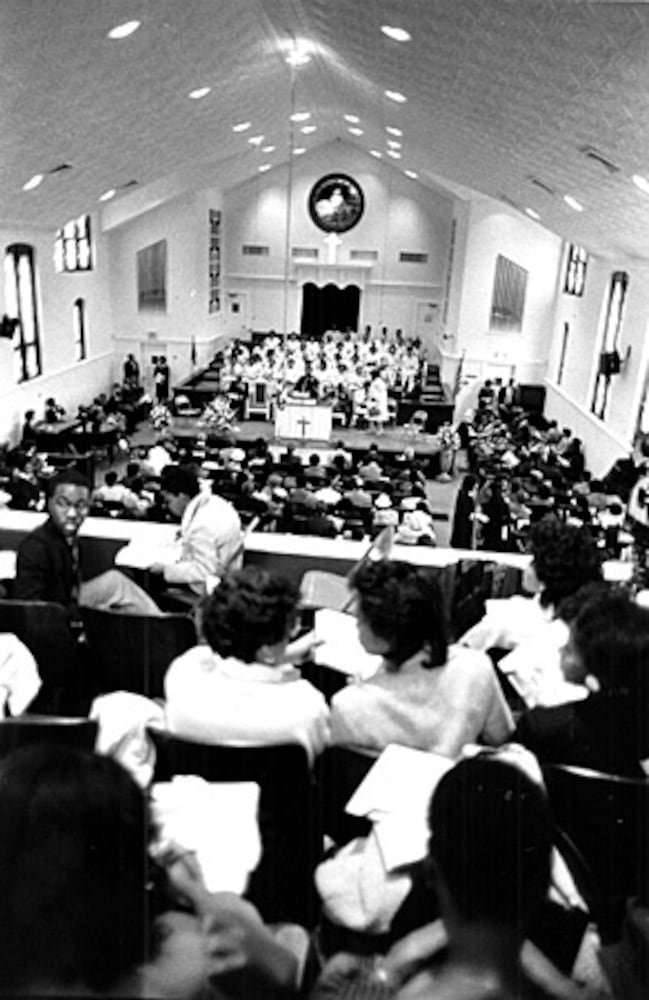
[[304, 419]]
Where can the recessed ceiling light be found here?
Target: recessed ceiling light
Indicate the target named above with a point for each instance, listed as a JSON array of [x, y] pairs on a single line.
[[396, 34], [33, 182], [355, 131], [298, 51], [412, 174], [308, 129], [264, 167], [300, 116], [199, 92], [394, 144], [532, 214], [393, 130], [241, 126], [394, 153], [124, 30], [299, 151], [395, 95], [256, 140], [107, 195], [641, 182], [268, 149], [376, 153], [573, 203], [352, 119]]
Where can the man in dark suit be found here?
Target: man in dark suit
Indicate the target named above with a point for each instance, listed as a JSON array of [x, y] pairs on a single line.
[[48, 564]]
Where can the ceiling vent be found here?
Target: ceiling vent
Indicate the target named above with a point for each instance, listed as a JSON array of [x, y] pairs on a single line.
[[509, 201], [61, 169], [591, 153], [129, 184], [541, 184]]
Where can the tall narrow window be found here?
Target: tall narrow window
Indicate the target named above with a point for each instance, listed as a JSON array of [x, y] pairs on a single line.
[[79, 324], [72, 246], [21, 304], [508, 301], [609, 358], [576, 263], [564, 351]]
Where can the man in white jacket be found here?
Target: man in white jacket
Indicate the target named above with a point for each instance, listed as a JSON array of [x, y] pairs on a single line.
[[210, 537]]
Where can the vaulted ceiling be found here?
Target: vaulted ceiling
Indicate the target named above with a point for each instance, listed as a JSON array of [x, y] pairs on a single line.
[[524, 100]]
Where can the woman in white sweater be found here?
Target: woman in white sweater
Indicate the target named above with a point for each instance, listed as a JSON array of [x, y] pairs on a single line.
[[426, 694]]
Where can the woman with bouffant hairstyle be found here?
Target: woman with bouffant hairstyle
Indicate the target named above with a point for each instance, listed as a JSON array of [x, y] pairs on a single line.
[[426, 693]]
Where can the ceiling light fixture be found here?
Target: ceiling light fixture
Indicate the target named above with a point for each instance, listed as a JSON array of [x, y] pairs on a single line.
[[264, 167], [256, 140], [107, 195], [396, 34], [352, 119], [573, 203], [300, 116], [298, 51], [124, 30], [393, 130], [33, 182], [199, 92], [394, 153], [376, 153], [241, 126], [308, 129], [641, 182], [394, 144], [268, 149], [395, 95], [532, 214], [299, 151], [412, 174], [355, 131]]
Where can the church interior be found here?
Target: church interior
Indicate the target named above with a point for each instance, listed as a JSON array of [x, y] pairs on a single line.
[[358, 293]]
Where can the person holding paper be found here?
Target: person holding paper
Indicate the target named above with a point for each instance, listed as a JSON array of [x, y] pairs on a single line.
[[87, 911], [425, 694], [210, 540], [240, 687]]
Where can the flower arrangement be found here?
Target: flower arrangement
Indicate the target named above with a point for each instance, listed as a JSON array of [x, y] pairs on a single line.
[[447, 438], [218, 415], [160, 416]]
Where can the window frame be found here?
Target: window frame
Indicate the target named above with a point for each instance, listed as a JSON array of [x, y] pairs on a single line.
[[27, 341], [79, 327], [610, 339], [73, 246]]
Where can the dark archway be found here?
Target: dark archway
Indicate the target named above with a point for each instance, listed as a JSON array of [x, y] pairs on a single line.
[[329, 308]]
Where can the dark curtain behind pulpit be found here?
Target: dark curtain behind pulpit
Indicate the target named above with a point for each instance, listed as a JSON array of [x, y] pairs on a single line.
[[329, 308]]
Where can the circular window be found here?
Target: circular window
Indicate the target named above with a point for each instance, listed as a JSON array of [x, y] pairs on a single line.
[[336, 203]]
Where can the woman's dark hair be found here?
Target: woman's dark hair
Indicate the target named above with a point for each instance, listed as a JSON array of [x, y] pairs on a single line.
[[611, 634], [249, 609], [403, 604], [565, 558], [74, 870], [491, 841]]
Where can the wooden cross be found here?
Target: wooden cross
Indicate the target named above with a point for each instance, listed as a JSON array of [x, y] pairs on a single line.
[[304, 423], [333, 242]]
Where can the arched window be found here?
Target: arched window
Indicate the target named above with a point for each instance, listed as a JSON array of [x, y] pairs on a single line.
[[21, 304], [609, 359], [79, 323]]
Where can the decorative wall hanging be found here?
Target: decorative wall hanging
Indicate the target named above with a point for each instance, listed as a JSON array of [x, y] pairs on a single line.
[[336, 203], [152, 277]]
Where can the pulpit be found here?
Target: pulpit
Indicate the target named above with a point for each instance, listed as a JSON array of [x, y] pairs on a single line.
[[303, 418]]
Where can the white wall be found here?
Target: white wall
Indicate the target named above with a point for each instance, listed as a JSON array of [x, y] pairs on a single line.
[[571, 401], [69, 381], [399, 215], [493, 229], [184, 223]]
